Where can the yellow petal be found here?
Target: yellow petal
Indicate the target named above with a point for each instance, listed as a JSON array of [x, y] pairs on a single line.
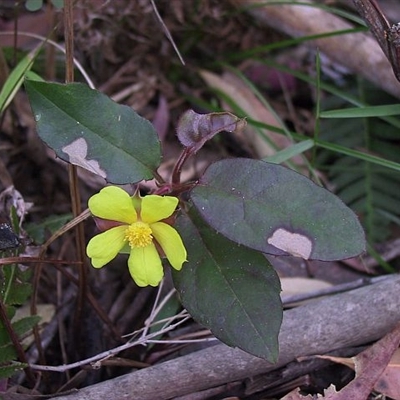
[[145, 266], [171, 243], [113, 203], [156, 208], [104, 247]]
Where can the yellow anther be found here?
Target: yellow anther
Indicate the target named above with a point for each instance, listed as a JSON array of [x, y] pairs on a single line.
[[138, 234]]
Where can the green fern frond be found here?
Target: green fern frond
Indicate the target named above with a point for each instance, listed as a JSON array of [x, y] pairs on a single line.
[[15, 290], [370, 190], [9, 370], [7, 353]]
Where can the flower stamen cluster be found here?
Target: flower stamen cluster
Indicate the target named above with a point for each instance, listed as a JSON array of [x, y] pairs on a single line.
[[138, 234]]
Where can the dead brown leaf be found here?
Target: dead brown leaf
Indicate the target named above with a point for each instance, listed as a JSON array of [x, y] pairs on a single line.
[[377, 368], [389, 382], [295, 395]]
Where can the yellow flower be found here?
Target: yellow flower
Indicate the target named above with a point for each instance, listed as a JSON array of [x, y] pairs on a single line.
[[136, 229]]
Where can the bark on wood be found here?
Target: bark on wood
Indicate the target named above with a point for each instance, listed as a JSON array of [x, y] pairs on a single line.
[[359, 51], [347, 319]]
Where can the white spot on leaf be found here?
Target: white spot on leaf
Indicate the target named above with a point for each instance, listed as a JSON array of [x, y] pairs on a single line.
[[77, 153], [293, 243]]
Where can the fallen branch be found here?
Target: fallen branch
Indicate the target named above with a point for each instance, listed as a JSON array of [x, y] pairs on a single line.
[[359, 52], [344, 320]]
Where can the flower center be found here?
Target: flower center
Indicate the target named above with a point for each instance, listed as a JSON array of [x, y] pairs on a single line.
[[138, 234]]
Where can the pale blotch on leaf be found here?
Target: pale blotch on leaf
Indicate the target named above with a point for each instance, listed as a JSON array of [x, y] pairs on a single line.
[[77, 153], [293, 243]]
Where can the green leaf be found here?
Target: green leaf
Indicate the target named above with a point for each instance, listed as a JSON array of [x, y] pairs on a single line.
[[230, 289], [88, 129], [289, 152], [15, 79], [58, 3], [33, 5], [363, 112], [273, 209]]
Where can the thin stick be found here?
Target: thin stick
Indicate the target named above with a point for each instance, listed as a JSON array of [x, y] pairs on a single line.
[[57, 46], [96, 360], [167, 32]]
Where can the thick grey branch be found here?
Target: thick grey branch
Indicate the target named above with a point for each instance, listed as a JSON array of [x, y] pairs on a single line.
[[343, 320]]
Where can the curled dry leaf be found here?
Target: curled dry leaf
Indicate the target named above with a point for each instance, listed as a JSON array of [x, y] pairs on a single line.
[[236, 89], [195, 129]]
